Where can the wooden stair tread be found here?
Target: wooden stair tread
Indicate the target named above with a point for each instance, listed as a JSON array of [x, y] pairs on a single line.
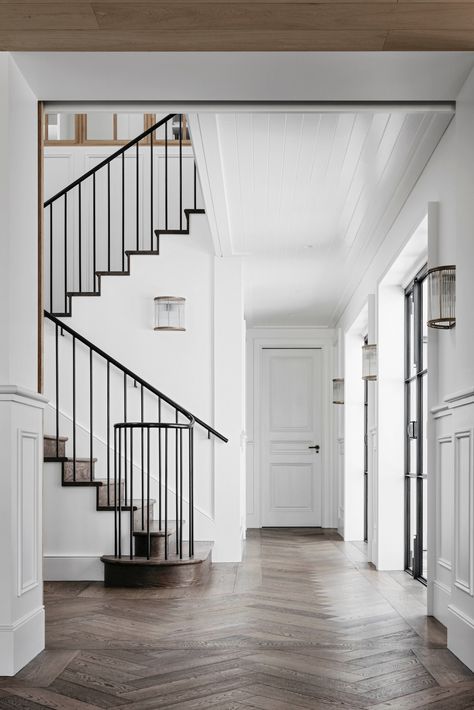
[[54, 437], [136, 505], [79, 459]]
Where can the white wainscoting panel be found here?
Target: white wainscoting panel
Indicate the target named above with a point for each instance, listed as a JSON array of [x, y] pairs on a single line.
[[445, 502], [28, 477], [463, 512]]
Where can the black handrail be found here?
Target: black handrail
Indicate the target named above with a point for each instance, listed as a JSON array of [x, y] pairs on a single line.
[[112, 361], [109, 159]]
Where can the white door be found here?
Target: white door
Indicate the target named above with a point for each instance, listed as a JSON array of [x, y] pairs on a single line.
[[291, 429]]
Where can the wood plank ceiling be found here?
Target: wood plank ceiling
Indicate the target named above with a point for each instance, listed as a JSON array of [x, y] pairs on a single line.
[[227, 25], [310, 199]]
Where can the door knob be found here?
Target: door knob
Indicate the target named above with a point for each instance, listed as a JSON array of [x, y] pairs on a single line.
[[316, 447]]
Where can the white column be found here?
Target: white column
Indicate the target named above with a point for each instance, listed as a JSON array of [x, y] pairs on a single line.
[[390, 460], [21, 409], [21, 588], [461, 402], [229, 388]]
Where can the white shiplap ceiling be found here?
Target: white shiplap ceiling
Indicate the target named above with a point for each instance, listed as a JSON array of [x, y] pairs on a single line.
[[307, 198]]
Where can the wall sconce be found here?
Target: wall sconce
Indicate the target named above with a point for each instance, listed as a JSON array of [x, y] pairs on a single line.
[[442, 297], [169, 313], [369, 362], [338, 391]]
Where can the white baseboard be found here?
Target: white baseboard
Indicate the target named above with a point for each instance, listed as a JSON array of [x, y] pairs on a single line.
[[441, 600], [72, 569], [21, 641], [461, 635]]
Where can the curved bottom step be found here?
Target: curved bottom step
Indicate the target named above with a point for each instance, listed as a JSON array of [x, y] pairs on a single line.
[[157, 572]]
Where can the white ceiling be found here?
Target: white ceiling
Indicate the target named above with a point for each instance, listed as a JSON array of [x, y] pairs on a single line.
[[308, 198], [245, 76]]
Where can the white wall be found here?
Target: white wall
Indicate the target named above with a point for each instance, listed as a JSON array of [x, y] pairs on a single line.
[[199, 368], [445, 190], [21, 415], [257, 339]]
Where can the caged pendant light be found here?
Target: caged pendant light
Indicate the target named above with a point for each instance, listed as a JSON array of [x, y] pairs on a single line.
[[369, 362], [442, 297]]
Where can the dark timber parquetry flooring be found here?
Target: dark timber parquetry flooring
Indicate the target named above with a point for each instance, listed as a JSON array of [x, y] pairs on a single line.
[[303, 622]]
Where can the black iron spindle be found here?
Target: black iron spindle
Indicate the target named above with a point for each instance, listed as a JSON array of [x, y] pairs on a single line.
[[108, 434], [125, 419], [166, 494], [176, 482], [51, 305], [118, 495], [108, 216], [148, 535], [73, 408], [80, 234], [116, 469], [94, 234], [123, 211], [57, 391], [191, 492], [195, 186], [151, 193], [91, 414], [159, 465], [142, 431], [166, 175], [65, 253], [131, 492], [181, 171], [181, 495], [138, 197]]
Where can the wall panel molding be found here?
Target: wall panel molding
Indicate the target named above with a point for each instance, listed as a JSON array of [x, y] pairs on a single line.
[[28, 503], [463, 511]]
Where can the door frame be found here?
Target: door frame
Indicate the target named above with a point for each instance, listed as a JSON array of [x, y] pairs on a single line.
[[259, 339], [265, 430]]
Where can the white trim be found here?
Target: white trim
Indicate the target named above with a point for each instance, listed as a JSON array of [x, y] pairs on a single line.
[[460, 395], [21, 641], [15, 393], [465, 585], [73, 568], [286, 337], [24, 586], [461, 635], [22, 620]]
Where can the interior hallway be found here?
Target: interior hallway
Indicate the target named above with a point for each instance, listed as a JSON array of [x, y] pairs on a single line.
[[303, 621]]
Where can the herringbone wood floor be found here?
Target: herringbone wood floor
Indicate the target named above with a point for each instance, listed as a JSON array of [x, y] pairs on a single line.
[[303, 622]]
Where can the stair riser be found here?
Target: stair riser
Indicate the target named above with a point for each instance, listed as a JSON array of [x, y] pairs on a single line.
[[137, 517], [103, 499], [155, 575], [51, 452], [157, 547], [83, 471]]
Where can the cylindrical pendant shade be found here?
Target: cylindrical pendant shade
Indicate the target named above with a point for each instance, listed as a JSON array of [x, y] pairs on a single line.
[[338, 391], [369, 362], [442, 297], [169, 313]]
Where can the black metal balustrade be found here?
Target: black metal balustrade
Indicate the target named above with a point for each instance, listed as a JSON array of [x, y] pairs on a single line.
[[117, 209], [97, 389], [177, 471]]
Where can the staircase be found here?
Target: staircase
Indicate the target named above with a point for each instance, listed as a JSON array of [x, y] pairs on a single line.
[[147, 479]]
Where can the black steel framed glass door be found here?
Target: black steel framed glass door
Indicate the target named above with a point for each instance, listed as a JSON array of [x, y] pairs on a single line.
[[416, 416], [366, 454]]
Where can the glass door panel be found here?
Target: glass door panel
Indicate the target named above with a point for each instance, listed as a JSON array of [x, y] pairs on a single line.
[[416, 418]]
